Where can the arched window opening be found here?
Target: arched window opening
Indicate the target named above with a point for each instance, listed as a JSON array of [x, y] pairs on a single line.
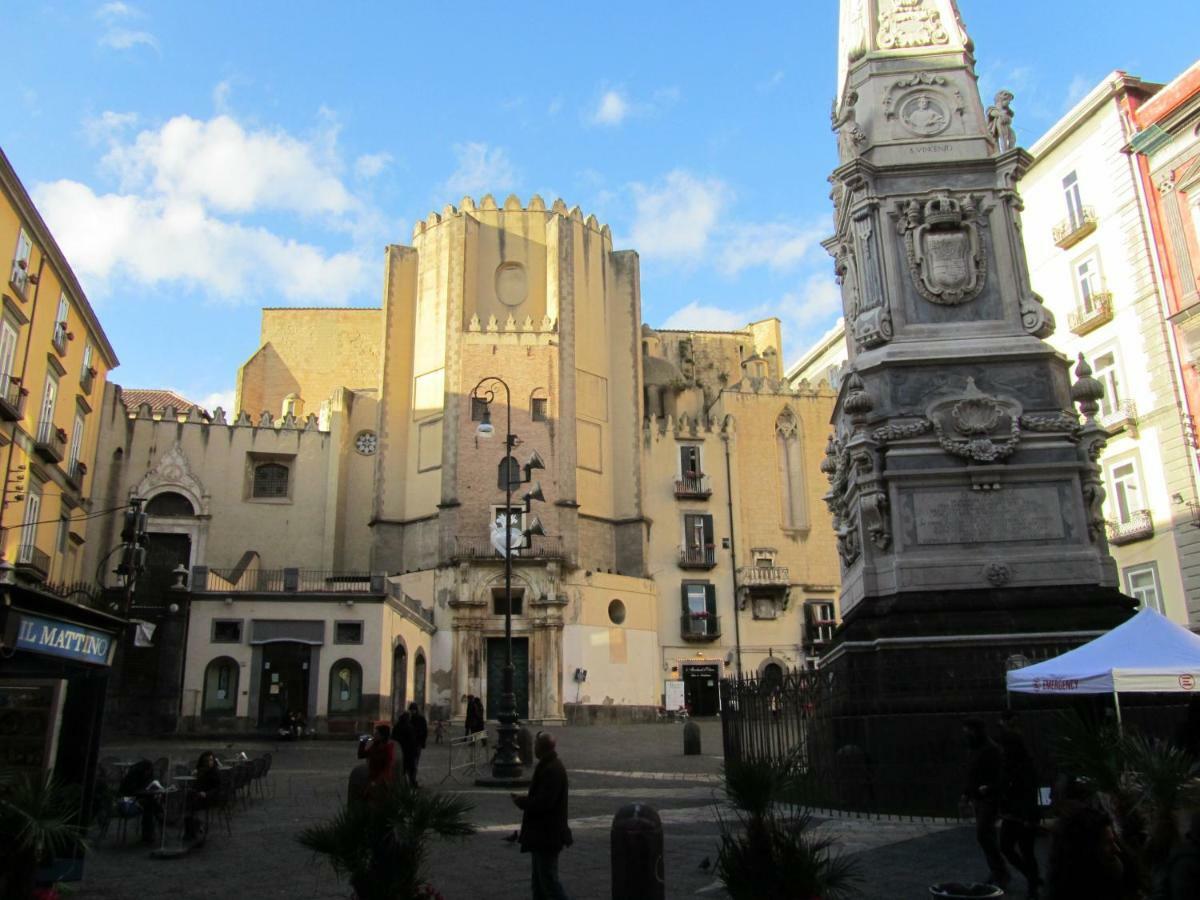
[[789, 453], [270, 480], [221, 687], [345, 688], [419, 680], [399, 680], [170, 503]]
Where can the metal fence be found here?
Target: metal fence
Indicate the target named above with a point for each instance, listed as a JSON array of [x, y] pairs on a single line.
[[857, 755]]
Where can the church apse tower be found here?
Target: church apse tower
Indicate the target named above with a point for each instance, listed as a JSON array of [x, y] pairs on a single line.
[[963, 483]]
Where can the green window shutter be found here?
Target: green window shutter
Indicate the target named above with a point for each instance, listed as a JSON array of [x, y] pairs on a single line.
[[710, 598], [683, 597], [708, 530]]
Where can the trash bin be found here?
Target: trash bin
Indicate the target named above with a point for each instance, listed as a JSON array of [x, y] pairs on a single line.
[[691, 739], [637, 854], [954, 890]]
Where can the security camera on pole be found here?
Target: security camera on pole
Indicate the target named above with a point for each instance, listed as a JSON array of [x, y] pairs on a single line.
[[507, 537]]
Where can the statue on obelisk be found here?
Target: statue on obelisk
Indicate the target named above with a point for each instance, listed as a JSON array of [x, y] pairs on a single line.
[[963, 484]]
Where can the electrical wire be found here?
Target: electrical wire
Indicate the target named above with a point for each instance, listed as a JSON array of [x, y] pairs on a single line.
[[95, 515]]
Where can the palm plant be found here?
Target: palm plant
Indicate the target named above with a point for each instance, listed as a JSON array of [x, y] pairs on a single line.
[[37, 820], [382, 845], [769, 849], [1165, 779]]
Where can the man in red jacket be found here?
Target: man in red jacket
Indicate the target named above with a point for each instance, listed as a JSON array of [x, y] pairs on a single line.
[[544, 830]]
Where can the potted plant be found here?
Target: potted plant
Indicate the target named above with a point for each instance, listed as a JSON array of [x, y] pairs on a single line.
[[37, 820], [770, 848], [381, 845]]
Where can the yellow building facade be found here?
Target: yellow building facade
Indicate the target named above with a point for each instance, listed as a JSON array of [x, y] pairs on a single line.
[[684, 539], [54, 361]]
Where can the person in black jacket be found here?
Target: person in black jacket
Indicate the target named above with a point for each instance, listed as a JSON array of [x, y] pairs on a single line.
[[1018, 801], [402, 734], [985, 773], [544, 830], [420, 734], [205, 792]]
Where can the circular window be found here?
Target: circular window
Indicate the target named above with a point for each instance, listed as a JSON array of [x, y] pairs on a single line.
[[512, 285], [366, 442], [616, 612]]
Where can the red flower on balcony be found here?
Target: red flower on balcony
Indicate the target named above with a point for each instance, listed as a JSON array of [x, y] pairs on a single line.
[[700, 615], [61, 434]]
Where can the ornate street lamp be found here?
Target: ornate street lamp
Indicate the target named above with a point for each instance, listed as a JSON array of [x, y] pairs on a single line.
[[506, 765]]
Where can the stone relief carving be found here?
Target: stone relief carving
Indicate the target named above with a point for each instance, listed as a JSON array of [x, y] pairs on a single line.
[[924, 114], [997, 573], [910, 23], [851, 136], [945, 251], [871, 324], [977, 426], [903, 100], [999, 122], [1087, 393], [174, 471], [1036, 319]]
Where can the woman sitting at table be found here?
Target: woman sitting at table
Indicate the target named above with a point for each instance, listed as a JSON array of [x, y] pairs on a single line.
[[206, 790]]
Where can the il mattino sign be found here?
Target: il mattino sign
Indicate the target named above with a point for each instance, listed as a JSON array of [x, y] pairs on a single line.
[[66, 639]]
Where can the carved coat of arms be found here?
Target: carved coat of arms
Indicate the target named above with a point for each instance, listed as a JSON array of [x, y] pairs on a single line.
[[945, 253]]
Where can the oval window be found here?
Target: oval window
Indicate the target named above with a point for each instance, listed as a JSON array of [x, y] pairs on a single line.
[[616, 612]]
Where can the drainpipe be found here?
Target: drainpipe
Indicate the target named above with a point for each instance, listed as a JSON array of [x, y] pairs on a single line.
[[737, 627]]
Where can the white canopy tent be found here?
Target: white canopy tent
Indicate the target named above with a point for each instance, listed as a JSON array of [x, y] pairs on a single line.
[[1148, 654]]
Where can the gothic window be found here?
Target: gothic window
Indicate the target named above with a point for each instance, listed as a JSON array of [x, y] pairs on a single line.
[[789, 450], [270, 480]]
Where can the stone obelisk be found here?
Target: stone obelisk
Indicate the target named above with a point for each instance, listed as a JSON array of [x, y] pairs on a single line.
[[964, 485]]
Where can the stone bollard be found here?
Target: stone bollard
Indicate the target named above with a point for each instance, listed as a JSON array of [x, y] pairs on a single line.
[[691, 739], [525, 746], [637, 854]]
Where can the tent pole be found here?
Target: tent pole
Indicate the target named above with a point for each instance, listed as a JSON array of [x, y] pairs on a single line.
[[1117, 707], [1008, 699]]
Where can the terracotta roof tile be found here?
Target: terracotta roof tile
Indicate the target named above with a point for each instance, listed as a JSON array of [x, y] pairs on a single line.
[[158, 399]]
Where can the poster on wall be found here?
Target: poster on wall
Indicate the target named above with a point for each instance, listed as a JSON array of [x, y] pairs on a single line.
[[674, 696]]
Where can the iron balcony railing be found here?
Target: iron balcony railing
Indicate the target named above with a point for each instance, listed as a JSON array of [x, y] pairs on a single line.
[[699, 626], [33, 561], [75, 471], [546, 547], [693, 487], [1075, 228], [763, 576], [59, 338], [87, 378], [12, 400], [286, 581], [51, 442], [1139, 527], [396, 592], [1097, 312], [697, 557], [1122, 416]]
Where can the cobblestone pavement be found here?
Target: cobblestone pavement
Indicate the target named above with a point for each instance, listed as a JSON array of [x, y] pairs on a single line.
[[609, 767]]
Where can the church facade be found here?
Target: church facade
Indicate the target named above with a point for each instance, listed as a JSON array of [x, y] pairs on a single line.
[[338, 540]]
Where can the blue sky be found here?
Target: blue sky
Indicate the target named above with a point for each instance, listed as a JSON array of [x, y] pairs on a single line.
[[198, 161]]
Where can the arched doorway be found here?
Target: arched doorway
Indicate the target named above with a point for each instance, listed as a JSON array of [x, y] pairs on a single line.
[[419, 680], [399, 680]]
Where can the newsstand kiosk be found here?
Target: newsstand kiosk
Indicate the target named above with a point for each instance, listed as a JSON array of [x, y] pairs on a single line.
[[54, 665]]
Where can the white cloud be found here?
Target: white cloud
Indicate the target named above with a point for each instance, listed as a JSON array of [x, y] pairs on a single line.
[[674, 219], [771, 82], [221, 165], [107, 126], [117, 36], [220, 96], [702, 317], [779, 245], [371, 164], [175, 219], [611, 110], [115, 11], [1077, 90], [223, 399], [481, 170], [158, 240]]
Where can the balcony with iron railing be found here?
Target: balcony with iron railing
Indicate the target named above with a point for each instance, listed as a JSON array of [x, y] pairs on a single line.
[[51, 442], [693, 487], [286, 581], [1122, 416], [75, 470], [59, 338], [692, 557], [481, 550], [1139, 527], [1075, 228], [87, 379], [763, 576], [19, 277], [12, 400], [699, 626], [33, 562], [1089, 317]]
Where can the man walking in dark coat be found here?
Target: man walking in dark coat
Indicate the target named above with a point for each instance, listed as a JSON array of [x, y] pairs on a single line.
[[985, 773], [420, 734], [402, 734], [1019, 812], [544, 830]]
